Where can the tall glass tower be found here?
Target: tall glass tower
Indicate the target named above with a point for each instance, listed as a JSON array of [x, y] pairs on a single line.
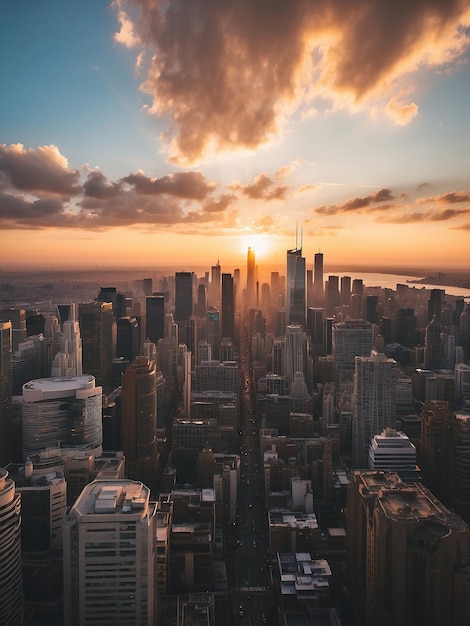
[[228, 307], [250, 279], [296, 300]]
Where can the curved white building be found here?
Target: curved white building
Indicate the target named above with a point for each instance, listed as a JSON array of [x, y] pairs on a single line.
[[62, 412], [11, 597]]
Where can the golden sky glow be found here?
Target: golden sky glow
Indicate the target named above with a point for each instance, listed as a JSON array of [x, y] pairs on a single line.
[[184, 133]]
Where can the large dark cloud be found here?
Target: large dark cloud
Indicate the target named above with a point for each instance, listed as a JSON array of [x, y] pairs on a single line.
[[225, 73], [135, 200], [43, 170]]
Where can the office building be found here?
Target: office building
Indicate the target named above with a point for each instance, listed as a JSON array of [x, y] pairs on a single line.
[[408, 563], [296, 285], [393, 451], [348, 340], [109, 556], [332, 295], [97, 329], [228, 307], [183, 303], [250, 297], [64, 412], [138, 420], [5, 390], [433, 346], [128, 338], [68, 360], [462, 383], [11, 597], [374, 408], [295, 354], [345, 290], [17, 317], [154, 318], [214, 286], [318, 279]]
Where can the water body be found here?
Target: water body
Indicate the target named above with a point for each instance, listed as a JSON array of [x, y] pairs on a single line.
[[390, 281]]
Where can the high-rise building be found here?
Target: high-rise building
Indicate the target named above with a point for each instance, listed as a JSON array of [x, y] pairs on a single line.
[[17, 318], [433, 346], [228, 307], [11, 597], [318, 279], [374, 409], [183, 302], [349, 339], [296, 284], [393, 451], [371, 309], [154, 318], [138, 419], [97, 331], [63, 412], [345, 290], [109, 555], [128, 338], [250, 279], [147, 286], [332, 294], [408, 563], [5, 389], [214, 287], [68, 361], [435, 303], [405, 327], [295, 352]]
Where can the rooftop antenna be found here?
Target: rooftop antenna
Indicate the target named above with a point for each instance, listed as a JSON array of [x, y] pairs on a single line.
[[296, 231]]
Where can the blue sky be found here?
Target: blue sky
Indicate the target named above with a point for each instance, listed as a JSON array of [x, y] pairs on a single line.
[[352, 124]]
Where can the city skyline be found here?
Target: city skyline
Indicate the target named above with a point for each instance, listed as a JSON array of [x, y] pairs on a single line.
[[137, 133]]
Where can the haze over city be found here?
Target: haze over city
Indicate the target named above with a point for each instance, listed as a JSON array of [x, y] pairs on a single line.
[[139, 133]]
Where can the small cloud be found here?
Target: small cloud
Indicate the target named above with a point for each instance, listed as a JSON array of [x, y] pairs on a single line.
[[401, 113], [356, 204]]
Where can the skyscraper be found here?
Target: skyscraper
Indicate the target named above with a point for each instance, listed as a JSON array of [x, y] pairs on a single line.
[[5, 388], [128, 338], [228, 307], [318, 279], [250, 279], [68, 361], [214, 288], [332, 294], [296, 298], [97, 329], [154, 318], [374, 408], [11, 597], [408, 563], [63, 412], [109, 556], [138, 419], [295, 352], [183, 302], [349, 339]]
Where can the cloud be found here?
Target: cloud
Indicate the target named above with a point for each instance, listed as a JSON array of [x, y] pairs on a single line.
[[263, 188], [462, 227], [43, 170], [96, 186], [193, 185], [227, 74], [39, 191], [356, 204], [427, 216]]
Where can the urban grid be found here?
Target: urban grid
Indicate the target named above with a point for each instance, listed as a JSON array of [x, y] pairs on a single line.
[[234, 447]]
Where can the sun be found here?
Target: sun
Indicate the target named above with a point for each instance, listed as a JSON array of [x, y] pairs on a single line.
[[261, 244]]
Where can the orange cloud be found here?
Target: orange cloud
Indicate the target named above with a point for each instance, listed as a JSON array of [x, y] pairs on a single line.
[[227, 74]]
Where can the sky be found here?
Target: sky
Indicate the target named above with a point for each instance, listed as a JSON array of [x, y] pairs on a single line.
[[149, 133]]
